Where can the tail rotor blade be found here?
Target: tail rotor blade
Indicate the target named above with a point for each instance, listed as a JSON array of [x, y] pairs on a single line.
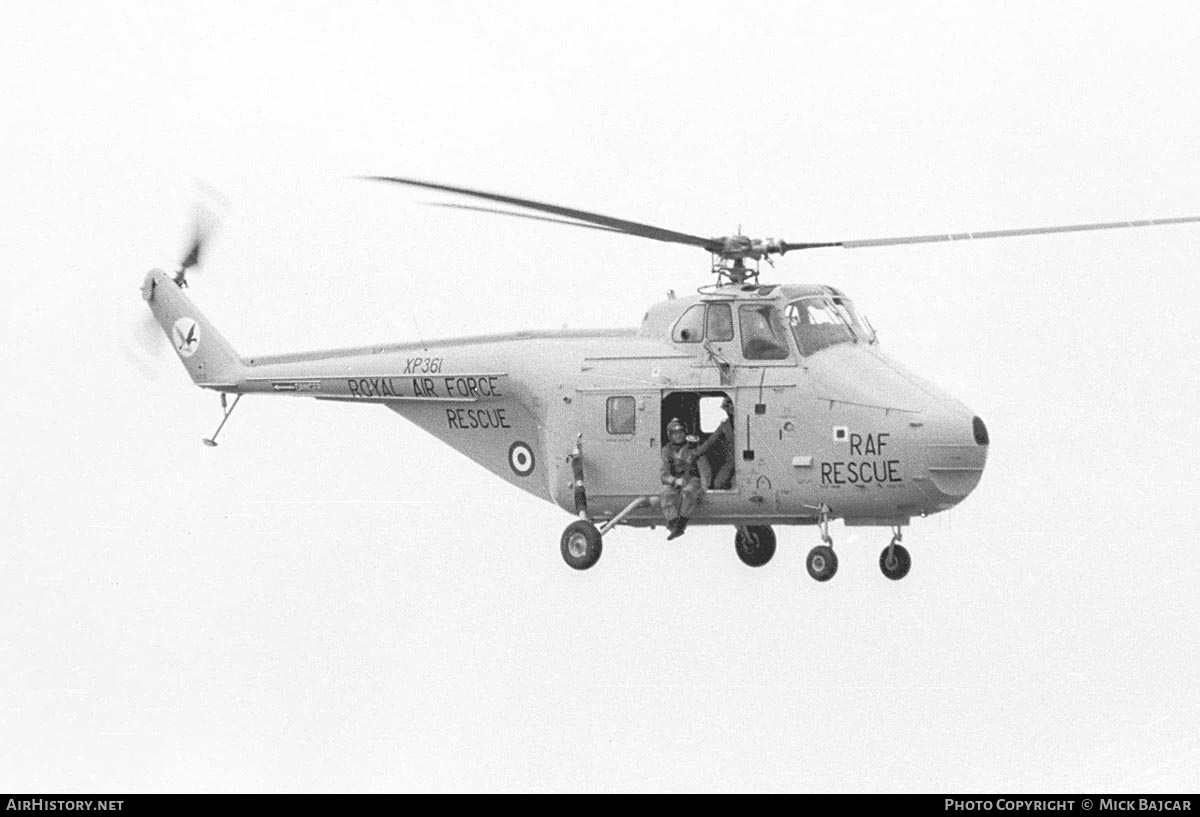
[[148, 335], [143, 346], [206, 217], [192, 257]]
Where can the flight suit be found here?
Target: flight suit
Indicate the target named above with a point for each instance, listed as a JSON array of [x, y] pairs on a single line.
[[721, 444], [679, 461]]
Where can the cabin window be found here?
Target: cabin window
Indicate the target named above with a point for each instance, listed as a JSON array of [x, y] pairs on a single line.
[[763, 333], [621, 415], [690, 327], [720, 322]]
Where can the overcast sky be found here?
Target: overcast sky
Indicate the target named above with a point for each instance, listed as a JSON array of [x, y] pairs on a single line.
[[331, 600]]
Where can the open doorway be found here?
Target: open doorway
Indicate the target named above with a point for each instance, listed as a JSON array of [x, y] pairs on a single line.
[[707, 417]]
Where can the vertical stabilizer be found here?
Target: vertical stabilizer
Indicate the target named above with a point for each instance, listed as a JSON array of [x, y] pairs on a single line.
[[206, 355]]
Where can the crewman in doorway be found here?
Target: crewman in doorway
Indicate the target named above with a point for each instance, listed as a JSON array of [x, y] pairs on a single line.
[[680, 479], [720, 442]]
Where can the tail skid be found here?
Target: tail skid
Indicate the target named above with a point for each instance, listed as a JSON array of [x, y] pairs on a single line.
[[211, 442]]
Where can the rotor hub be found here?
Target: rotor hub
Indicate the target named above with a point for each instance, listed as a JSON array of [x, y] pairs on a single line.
[[734, 247]]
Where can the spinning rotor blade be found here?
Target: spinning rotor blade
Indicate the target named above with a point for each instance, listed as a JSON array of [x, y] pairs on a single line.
[[523, 215], [608, 222], [148, 333], [192, 257], [736, 248], [143, 346], [788, 246], [204, 224], [1024, 231]]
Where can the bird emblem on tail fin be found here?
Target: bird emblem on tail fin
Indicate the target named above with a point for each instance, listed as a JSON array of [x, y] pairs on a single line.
[[186, 336]]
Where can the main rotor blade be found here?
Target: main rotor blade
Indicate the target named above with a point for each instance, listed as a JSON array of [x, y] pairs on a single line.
[[499, 212], [617, 224], [788, 246], [1024, 231]]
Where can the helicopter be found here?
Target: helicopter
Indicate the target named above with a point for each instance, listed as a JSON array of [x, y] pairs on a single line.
[[823, 424]]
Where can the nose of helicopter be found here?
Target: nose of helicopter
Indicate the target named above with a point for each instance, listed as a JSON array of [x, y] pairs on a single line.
[[955, 456], [946, 444]]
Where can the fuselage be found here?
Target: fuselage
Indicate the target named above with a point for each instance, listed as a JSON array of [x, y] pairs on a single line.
[[823, 419]]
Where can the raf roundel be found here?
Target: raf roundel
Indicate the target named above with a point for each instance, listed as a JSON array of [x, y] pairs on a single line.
[[520, 459], [186, 336]]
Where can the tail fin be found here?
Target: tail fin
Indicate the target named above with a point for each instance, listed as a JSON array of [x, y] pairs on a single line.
[[207, 356]]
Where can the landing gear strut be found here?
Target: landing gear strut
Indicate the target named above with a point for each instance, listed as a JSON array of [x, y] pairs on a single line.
[[755, 544], [822, 562], [582, 540], [894, 561]]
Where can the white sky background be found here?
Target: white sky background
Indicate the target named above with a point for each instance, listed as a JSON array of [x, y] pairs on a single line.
[[332, 600]]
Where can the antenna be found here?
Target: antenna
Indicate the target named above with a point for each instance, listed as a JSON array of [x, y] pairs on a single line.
[[414, 317]]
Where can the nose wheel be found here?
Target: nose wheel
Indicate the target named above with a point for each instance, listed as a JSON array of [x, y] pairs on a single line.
[[822, 562], [894, 561]]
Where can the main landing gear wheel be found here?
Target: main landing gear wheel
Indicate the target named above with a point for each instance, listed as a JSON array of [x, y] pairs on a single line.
[[895, 562], [581, 544], [821, 563], [755, 544]]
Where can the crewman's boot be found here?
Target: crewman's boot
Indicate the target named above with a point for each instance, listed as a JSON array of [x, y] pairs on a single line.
[[677, 528]]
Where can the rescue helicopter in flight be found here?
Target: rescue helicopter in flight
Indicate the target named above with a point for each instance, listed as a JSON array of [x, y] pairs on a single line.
[[817, 422]]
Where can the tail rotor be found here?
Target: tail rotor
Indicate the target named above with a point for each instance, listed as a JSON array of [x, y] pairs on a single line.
[[145, 353]]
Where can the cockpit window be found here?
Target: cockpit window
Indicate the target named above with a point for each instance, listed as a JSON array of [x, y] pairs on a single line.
[[720, 322], [690, 327], [763, 334], [820, 322], [858, 321]]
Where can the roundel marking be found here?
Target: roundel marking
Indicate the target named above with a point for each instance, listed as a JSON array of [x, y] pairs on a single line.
[[186, 335], [520, 459]]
